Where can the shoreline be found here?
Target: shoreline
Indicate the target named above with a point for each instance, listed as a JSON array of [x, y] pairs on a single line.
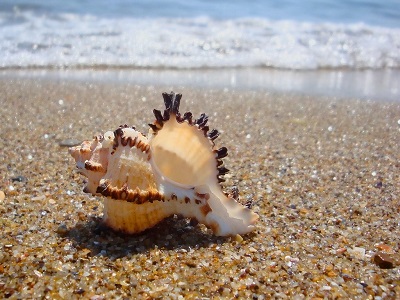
[[323, 175], [376, 85]]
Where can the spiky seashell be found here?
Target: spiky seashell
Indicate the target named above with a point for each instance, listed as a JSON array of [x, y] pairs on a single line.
[[176, 170]]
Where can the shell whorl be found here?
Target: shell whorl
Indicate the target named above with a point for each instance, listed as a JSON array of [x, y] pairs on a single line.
[[126, 140]]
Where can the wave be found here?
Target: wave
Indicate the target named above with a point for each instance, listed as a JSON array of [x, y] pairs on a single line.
[[71, 40]]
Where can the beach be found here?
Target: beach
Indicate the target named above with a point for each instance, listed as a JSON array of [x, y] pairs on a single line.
[[322, 173]]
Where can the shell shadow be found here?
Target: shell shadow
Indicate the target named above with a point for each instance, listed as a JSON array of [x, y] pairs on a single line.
[[171, 233]]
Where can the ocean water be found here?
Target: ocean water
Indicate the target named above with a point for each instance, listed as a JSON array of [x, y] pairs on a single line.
[[176, 34]]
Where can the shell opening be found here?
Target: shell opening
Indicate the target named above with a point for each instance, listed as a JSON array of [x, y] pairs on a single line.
[[182, 154]]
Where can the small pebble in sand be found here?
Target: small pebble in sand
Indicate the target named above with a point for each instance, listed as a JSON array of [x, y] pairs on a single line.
[[238, 238], [384, 248], [69, 143], [383, 260], [357, 252], [38, 198], [341, 250], [2, 196], [62, 229], [19, 179]]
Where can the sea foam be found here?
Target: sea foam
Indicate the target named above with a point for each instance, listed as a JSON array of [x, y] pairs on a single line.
[[76, 40]]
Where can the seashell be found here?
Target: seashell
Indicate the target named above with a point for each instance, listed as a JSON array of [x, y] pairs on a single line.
[[176, 169]]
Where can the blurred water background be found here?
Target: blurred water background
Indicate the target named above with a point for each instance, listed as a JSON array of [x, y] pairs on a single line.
[[349, 47]]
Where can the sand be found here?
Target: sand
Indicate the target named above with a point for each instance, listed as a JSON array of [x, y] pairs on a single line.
[[323, 175]]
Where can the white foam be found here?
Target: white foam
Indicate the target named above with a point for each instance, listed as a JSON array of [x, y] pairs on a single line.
[[84, 40]]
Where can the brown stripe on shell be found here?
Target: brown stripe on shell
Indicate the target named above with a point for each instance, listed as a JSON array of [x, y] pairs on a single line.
[[205, 129], [176, 101], [144, 147], [166, 115], [128, 141], [220, 179], [213, 134], [159, 117], [125, 141], [133, 142], [102, 187], [188, 116], [222, 170], [99, 138], [84, 151], [214, 226], [154, 127], [179, 118], [139, 145], [202, 121], [221, 152], [86, 189], [117, 133], [168, 100], [205, 196], [136, 196], [93, 166], [205, 209]]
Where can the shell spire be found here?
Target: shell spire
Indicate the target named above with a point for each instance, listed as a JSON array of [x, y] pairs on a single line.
[[177, 170]]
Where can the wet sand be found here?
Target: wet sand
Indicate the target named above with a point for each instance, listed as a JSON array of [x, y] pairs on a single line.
[[323, 175]]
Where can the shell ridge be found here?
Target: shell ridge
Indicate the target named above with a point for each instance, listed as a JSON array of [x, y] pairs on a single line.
[[128, 139], [167, 100], [134, 218], [176, 103], [188, 116], [188, 203], [221, 152], [91, 161], [213, 134], [159, 119]]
